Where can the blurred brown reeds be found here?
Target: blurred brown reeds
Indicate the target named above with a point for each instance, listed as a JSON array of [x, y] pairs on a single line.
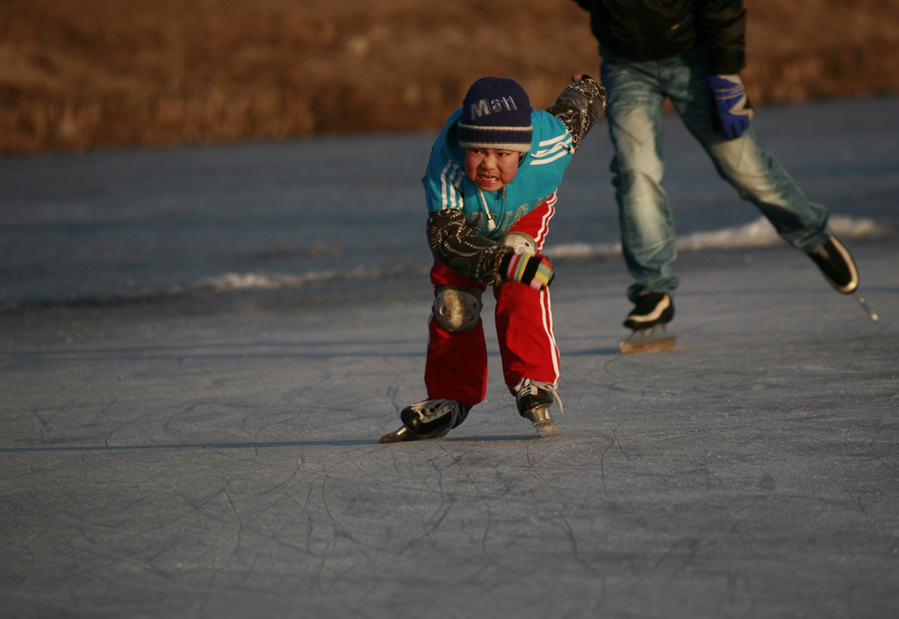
[[82, 74]]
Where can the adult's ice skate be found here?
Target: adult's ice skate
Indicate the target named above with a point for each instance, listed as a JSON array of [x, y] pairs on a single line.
[[653, 312], [838, 267]]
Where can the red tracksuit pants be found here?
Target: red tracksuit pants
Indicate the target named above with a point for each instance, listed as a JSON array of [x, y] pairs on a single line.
[[456, 366]]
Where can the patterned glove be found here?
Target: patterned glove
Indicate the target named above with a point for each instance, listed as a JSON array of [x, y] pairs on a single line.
[[732, 109], [531, 270], [579, 107]]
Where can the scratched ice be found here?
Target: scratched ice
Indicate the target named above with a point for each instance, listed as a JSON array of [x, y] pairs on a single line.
[[200, 347]]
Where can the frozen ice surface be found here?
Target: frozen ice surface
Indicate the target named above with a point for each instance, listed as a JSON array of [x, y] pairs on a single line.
[[215, 454], [112, 226]]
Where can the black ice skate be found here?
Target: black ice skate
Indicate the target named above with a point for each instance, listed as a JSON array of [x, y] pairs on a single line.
[[654, 310], [837, 265], [838, 268], [428, 419], [534, 399]]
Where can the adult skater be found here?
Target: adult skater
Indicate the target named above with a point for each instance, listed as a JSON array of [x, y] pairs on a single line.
[[690, 52]]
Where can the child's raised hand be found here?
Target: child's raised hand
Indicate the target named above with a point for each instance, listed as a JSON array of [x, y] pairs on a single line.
[[534, 270]]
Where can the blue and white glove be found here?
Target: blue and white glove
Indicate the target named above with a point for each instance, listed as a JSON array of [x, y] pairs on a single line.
[[732, 108]]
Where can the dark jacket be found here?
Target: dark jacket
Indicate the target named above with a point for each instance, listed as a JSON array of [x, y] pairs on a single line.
[[656, 29]]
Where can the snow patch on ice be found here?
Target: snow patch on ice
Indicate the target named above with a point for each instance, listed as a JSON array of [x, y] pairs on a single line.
[[260, 281], [759, 233]]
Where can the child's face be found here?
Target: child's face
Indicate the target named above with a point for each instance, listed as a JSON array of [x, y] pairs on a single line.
[[491, 169]]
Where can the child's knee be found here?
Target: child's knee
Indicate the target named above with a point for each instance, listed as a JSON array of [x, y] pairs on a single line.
[[457, 310]]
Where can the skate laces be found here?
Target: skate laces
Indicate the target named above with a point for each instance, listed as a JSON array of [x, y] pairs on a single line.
[[526, 386], [429, 410]]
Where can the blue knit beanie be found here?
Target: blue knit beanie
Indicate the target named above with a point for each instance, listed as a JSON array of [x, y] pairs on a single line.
[[496, 113]]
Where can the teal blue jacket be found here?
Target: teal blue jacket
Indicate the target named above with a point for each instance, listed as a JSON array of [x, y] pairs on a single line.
[[465, 224], [539, 174]]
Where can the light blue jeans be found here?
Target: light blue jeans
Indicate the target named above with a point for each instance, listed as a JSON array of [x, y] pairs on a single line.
[[637, 91]]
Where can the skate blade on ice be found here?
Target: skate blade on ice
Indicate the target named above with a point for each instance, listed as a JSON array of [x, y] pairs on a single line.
[[543, 423], [405, 434], [546, 428], [639, 341], [871, 313]]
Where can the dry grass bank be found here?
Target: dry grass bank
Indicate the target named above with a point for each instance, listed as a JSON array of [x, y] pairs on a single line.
[[79, 74]]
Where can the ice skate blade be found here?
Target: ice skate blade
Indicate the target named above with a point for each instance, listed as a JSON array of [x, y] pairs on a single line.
[[871, 313], [405, 434], [547, 428], [638, 342], [397, 437], [543, 423]]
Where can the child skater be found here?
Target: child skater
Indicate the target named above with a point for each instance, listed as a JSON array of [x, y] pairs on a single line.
[[491, 188]]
